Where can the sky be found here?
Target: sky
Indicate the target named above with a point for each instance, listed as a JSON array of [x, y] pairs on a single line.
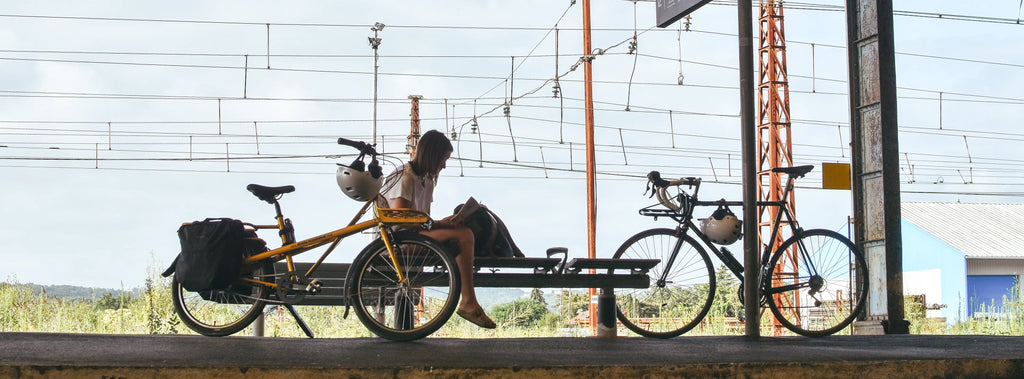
[[120, 120]]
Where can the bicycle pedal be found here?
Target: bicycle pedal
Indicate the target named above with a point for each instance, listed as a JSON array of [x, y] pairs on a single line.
[[314, 286]]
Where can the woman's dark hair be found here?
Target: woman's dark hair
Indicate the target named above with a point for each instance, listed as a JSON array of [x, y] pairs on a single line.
[[430, 152]]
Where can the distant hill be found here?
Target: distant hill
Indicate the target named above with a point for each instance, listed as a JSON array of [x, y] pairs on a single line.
[[66, 291], [490, 296], [487, 297]]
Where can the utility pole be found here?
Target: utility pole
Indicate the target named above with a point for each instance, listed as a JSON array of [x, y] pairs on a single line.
[[374, 44], [751, 295], [588, 94]]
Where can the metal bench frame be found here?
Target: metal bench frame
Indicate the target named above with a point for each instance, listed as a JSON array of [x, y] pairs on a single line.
[[602, 273]]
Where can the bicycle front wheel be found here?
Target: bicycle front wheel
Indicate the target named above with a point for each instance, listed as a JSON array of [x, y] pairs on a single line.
[[818, 284], [411, 305], [681, 291], [223, 312]]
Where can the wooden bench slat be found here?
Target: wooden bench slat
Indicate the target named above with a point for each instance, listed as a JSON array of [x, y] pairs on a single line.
[[561, 281], [633, 265], [546, 264]]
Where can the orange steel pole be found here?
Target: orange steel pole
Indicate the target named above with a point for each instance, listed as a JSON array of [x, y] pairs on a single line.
[[588, 89]]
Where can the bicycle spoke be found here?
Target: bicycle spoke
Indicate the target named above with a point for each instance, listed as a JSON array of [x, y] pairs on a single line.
[[827, 290], [409, 309], [679, 296], [225, 311]]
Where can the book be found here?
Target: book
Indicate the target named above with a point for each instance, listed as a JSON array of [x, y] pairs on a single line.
[[466, 211]]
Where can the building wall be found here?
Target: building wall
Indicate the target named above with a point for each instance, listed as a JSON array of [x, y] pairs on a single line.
[[1001, 267], [935, 269], [995, 266]]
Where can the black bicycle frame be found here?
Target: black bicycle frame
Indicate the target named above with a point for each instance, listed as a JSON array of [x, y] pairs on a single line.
[[685, 224]]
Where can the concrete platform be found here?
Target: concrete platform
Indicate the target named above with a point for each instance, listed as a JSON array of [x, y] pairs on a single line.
[[40, 355]]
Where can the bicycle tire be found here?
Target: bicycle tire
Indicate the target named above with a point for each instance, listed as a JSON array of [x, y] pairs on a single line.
[[661, 311], [405, 311], [224, 312], [827, 290]]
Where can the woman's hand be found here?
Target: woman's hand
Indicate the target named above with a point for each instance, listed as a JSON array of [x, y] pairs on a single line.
[[444, 223]]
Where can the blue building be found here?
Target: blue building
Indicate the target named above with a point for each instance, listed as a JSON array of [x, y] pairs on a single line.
[[966, 259]]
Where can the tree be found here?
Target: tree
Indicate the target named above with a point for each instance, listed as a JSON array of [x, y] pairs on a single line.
[[727, 296], [108, 301], [519, 313], [538, 296]]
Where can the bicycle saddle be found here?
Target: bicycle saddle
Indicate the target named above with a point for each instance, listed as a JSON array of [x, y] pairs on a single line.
[[796, 171], [269, 194]]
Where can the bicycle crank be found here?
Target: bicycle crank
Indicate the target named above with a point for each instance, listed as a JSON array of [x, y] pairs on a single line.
[[815, 284], [292, 287]]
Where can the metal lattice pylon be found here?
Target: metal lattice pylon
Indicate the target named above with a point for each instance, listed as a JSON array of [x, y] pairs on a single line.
[[774, 138], [414, 125]]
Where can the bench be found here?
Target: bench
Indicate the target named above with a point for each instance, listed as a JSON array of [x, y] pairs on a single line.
[[551, 272]]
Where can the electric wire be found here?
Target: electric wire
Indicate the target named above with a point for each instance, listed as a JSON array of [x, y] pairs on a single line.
[[652, 110]]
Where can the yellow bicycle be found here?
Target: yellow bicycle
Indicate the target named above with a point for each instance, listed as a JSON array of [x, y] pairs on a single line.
[[403, 285]]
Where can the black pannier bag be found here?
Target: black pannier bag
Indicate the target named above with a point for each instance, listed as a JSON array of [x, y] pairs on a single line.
[[211, 255]]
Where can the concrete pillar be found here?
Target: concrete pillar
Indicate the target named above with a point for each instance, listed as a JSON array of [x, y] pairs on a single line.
[[875, 162]]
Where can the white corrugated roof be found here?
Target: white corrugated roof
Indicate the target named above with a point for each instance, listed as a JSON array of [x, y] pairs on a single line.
[[977, 230]]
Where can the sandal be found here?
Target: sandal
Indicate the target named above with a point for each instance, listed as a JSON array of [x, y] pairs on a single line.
[[478, 317]]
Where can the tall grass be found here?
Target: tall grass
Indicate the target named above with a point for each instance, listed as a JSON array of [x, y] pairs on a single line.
[[988, 320], [150, 311]]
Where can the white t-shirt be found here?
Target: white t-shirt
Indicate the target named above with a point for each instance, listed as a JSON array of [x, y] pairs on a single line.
[[417, 190]]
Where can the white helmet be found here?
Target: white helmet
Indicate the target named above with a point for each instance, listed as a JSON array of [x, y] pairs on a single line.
[[359, 184], [722, 227]]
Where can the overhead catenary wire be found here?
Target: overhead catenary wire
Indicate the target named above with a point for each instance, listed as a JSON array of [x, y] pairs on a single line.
[[637, 109]]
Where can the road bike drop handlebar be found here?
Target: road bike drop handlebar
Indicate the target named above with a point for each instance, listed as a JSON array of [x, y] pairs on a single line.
[[654, 178], [658, 187]]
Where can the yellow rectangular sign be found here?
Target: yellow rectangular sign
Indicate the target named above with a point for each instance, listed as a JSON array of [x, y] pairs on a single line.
[[835, 176]]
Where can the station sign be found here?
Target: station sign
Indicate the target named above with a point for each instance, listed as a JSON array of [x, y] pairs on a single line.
[[670, 11]]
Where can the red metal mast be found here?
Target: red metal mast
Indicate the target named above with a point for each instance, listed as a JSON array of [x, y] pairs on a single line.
[[774, 138], [414, 125]]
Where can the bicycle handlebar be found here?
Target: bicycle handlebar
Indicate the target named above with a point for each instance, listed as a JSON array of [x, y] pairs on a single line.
[[363, 147], [658, 187], [655, 179]]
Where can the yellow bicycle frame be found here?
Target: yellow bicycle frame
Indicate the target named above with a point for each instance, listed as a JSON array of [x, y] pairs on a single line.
[[384, 218]]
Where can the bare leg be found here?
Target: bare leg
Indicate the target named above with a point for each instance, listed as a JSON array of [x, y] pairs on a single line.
[[464, 237], [465, 263]]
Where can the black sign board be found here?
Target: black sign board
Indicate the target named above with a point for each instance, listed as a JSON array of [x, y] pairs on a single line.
[[670, 11]]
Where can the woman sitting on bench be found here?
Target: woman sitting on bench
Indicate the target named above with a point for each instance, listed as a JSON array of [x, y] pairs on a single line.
[[415, 190]]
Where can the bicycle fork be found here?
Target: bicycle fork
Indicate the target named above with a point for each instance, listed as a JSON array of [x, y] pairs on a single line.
[[681, 235]]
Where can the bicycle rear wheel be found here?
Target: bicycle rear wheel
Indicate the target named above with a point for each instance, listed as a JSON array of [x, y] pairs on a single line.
[[404, 310], [678, 303], [226, 311], [819, 283]]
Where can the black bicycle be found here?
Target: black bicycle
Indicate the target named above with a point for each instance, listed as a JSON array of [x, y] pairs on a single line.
[[814, 282]]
